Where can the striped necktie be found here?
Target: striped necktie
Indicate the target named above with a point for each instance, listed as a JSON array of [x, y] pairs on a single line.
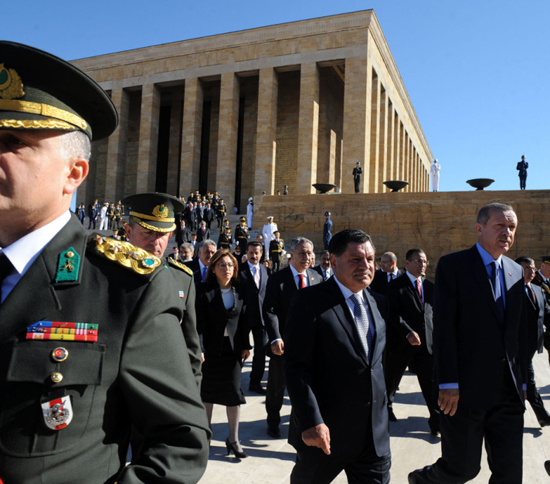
[[365, 329]]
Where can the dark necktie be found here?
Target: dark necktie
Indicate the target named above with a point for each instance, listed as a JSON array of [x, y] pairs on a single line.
[[497, 290], [5, 269], [364, 328], [531, 294], [302, 282]]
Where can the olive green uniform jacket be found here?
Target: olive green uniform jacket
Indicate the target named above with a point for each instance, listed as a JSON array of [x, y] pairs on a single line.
[[137, 375]]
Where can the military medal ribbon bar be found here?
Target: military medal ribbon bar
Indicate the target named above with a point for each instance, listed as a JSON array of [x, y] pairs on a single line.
[[63, 331]]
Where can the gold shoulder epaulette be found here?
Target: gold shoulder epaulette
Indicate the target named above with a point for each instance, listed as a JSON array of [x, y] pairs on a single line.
[[128, 255], [179, 265]]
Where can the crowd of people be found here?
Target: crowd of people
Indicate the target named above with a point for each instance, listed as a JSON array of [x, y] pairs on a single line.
[[110, 344]]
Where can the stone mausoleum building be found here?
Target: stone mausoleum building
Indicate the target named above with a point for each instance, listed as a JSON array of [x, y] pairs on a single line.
[[251, 111]]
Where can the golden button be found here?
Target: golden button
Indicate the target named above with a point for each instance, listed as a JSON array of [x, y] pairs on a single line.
[[70, 254], [56, 377]]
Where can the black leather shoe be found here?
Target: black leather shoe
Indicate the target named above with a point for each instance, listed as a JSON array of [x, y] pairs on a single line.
[[412, 477], [415, 477], [257, 389], [547, 467], [544, 422], [391, 415], [274, 432]]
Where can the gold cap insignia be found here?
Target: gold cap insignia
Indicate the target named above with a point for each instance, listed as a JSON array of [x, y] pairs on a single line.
[[11, 86], [160, 211]]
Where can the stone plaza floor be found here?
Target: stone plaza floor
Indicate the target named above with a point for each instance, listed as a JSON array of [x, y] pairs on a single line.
[[270, 461]]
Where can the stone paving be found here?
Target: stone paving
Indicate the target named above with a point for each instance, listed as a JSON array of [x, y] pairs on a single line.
[[270, 460]]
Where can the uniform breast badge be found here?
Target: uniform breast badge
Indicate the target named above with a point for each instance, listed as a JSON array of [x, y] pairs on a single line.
[[57, 413]]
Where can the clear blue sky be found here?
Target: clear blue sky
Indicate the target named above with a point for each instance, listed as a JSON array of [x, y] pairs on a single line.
[[477, 71]]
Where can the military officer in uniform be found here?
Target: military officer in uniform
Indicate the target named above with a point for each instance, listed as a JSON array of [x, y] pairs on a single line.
[[276, 249], [224, 240], [90, 339], [241, 234], [150, 226], [220, 213]]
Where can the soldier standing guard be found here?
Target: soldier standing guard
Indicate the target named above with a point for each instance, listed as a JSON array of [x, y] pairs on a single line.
[[90, 339], [522, 168], [357, 172]]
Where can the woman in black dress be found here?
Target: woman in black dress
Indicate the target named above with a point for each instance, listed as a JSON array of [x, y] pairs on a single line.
[[225, 342]]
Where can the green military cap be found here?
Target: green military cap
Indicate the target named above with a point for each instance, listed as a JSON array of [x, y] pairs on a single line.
[[242, 219], [154, 211], [43, 92]]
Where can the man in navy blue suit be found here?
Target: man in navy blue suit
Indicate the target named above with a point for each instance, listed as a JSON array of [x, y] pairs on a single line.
[[254, 277], [480, 355], [334, 344]]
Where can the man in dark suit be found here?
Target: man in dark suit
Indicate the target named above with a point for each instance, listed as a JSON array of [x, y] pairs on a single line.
[[382, 278], [480, 355], [388, 272], [537, 315], [254, 276], [324, 268], [88, 323], [203, 232], [199, 266], [183, 234], [542, 279], [410, 301], [281, 286], [335, 339]]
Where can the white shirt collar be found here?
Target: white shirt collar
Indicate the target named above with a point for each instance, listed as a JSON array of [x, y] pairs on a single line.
[[346, 292], [23, 252], [413, 279]]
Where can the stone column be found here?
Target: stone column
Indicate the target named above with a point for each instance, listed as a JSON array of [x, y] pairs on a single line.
[[172, 181], [383, 142], [148, 138], [401, 147], [308, 128], [397, 147], [390, 137], [266, 133], [191, 136], [357, 120], [374, 160], [227, 138], [116, 148]]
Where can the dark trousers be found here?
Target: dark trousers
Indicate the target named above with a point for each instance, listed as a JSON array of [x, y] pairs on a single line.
[[258, 361], [275, 391], [533, 395], [420, 362], [522, 180], [462, 439], [365, 467]]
